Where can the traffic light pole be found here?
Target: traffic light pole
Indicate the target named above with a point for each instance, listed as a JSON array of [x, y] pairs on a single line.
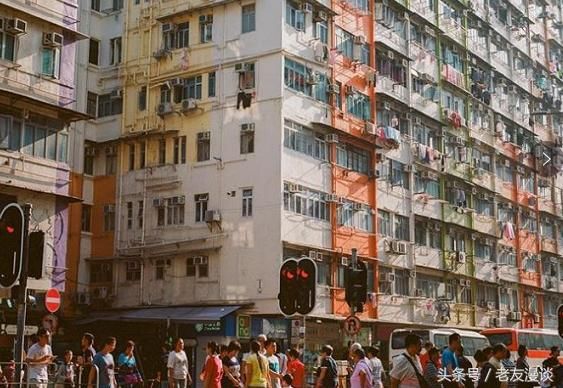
[[354, 265], [22, 295]]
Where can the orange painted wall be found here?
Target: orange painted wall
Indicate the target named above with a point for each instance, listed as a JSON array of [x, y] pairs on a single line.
[[104, 194], [73, 243]]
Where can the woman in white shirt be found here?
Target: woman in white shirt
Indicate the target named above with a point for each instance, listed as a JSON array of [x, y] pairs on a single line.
[[376, 366], [178, 367]]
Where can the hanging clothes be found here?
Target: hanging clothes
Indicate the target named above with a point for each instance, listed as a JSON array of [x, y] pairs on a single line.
[[244, 99], [462, 154], [460, 199], [487, 97], [508, 230], [395, 121]]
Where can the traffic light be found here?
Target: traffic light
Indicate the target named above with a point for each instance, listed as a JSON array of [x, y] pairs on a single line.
[[356, 283], [298, 283], [560, 317], [36, 245], [11, 244], [288, 281], [306, 286]]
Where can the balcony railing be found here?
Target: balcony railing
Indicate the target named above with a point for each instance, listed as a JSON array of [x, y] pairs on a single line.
[[453, 76], [388, 86], [390, 38], [453, 29]]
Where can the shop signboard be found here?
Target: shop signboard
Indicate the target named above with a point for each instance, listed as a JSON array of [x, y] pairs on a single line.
[[209, 328], [243, 326], [272, 327]]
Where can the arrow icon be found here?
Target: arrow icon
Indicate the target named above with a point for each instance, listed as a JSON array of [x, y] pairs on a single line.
[[547, 157]]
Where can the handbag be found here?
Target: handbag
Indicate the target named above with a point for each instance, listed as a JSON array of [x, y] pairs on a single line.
[[421, 380], [131, 378]]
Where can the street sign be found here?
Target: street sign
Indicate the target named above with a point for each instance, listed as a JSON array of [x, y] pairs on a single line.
[[52, 300], [13, 329], [352, 325]]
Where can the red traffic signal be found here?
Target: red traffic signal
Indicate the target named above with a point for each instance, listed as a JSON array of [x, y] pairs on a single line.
[[298, 283], [11, 241]]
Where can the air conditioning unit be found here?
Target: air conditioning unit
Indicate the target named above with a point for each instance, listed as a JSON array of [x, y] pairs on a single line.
[[331, 198], [90, 151], [321, 16], [344, 261], [460, 257], [164, 109], [429, 175], [249, 127], [532, 201], [203, 136], [388, 278], [161, 53], [200, 260], [398, 247], [176, 81], [417, 120], [242, 67], [520, 169], [405, 63], [491, 305], [333, 89], [115, 94], [418, 292], [83, 298], [52, 39], [100, 292], [359, 39], [180, 200], [504, 290], [158, 202], [369, 127], [110, 150], [294, 188], [189, 104], [306, 7], [312, 79], [457, 140], [331, 138], [386, 105], [168, 27], [514, 316], [16, 26], [212, 216], [390, 54], [537, 318], [357, 206]]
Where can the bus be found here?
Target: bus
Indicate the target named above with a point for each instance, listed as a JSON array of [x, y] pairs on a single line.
[[538, 342], [470, 340]]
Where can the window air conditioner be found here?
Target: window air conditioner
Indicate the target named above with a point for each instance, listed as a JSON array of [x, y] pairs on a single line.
[[331, 138], [514, 316], [212, 216], [52, 39], [398, 247], [321, 16], [202, 136], [306, 7], [249, 127], [16, 26], [388, 278], [189, 104], [163, 109], [344, 261], [460, 257]]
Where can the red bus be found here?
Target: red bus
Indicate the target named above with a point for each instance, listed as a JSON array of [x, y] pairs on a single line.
[[538, 342]]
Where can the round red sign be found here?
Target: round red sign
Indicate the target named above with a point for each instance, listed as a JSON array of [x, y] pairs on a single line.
[[52, 300]]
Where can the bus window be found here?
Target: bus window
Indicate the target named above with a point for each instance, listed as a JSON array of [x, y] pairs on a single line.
[[471, 345], [398, 340], [539, 341], [441, 341], [500, 338]]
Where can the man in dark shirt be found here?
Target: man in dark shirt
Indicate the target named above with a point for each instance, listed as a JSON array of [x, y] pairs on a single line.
[[552, 362], [327, 376], [88, 353], [231, 367]]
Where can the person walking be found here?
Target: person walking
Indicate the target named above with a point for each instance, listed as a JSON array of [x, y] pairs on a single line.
[[39, 356], [283, 360], [231, 367], [257, 370], [84, 361], [361, 376], [296, 369], [105, 366], [64, 378], [509, 365], [328, 371], [450, 360], [178, 367], [213, 371], [162, 374], [407, 371], [465, 365], [488, 377], [128, 373], [424, 354], [522, 365], [376, 366], [273, 363], [432, 367], [552, 362]]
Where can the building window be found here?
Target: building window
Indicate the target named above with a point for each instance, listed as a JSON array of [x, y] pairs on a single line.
[[95, 5], [92, 104], [89, 160], [192, 88], [129, 215], [50, 61], [175, 213], [203, 146], [94, 52], [304, 140], [159, 269], [142, 103], [345, 43], [109, 218], [295, 76], [352, 158], [247, 139], [401, 228], [358, 105], [399, 177], [131, 157], [307, 202], [160, 215], [348, 214], [111, 160], [165, 94], [246, 78], [140, 214], [247, 202], [507, 257], [117, 5], [101, 272], [211, 81], [183, 35], [401, 282], [483, 251], [168, 37], [180, 150], [294, 16], [109, 104], [420, 233], [201, 206], [428, 286], [197, 266], [162, 152], [321, 32], [132, 271], [206, 28], [115, 54], [248, 18], [86, 218], [384, 223], [143, 156]]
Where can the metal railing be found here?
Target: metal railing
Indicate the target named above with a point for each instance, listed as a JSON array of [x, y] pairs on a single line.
[[9, 378]]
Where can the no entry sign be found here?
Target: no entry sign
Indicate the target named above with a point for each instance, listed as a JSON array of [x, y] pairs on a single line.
[[52, 300]]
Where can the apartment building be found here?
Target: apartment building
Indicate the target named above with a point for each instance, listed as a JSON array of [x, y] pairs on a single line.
[[424, 134], [38, 41]]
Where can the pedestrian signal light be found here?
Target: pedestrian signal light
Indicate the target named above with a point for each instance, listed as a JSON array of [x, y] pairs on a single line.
[[298, 283], [356, 286], [11, 243]]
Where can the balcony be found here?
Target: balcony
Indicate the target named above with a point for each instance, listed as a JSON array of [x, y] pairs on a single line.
[[453, 76], [549, 245], [424, 61], [391, 39], [425, 105], [519, 77], [452, 215], [428, 257], [544, 132], [425, 206], [421, 7], [453, 29], [393, 89], [485, 224], [500, 66], [458, 169], [478, 48], [499, 26], [528, 240]]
